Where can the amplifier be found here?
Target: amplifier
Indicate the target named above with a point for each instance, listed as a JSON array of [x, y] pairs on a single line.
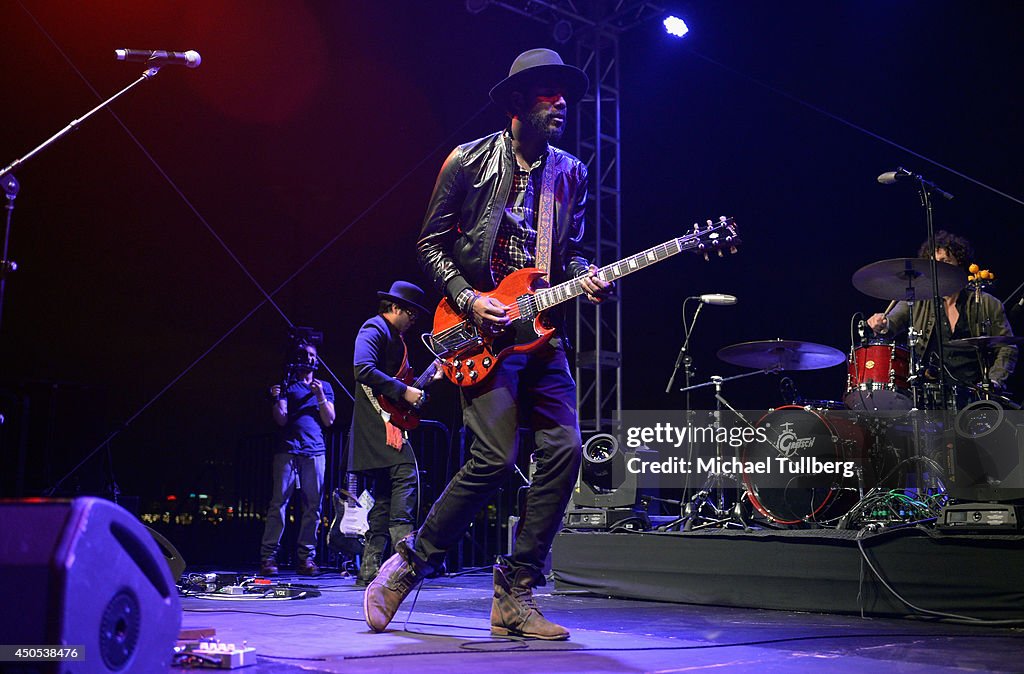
[[980, 517]]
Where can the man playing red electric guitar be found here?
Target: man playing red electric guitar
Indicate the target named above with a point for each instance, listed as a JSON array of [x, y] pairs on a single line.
[[378, 449], [503, 203]]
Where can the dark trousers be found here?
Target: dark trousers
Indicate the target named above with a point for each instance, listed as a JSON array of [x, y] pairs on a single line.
[[394, 502], [533, 390], [291, 472]]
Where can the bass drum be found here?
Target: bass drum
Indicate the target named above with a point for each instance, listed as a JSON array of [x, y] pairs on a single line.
[[794, 442]]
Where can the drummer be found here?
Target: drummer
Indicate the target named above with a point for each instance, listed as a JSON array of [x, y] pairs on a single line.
[[968, 313]]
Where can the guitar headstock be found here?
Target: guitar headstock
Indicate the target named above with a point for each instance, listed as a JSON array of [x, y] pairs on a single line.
[[715, 236]]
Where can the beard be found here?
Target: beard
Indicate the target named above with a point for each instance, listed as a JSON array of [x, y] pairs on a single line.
[[541, 123]]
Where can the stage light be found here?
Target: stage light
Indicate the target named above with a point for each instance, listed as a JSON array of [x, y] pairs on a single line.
[[675, 26], [604, 481]]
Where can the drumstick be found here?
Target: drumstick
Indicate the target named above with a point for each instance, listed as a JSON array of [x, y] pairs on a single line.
[[889, 308]]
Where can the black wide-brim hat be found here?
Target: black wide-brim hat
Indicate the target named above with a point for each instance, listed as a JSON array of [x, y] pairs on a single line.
[[544, 66], [406, 294]]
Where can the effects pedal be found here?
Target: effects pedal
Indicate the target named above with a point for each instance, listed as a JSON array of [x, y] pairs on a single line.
[[216, 655]]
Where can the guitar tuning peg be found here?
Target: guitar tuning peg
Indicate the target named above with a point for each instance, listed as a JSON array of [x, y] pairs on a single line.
[[722, 218], [706, 258], [732, 250], [710, 224], [720, 253]]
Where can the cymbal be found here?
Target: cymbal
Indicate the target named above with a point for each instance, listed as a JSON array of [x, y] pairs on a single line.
[[987, 341], [907, 278], [781, 354]]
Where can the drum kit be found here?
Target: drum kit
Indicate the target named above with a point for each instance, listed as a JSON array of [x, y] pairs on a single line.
[[874, 427]]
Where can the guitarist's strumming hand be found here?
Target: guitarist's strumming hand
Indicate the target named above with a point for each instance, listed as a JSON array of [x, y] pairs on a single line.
[[489, 314], [414, 396], [597, 290]]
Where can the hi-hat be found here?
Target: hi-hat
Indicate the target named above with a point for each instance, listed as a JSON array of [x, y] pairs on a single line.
[[908, 278], [987, 341], [781, 354]]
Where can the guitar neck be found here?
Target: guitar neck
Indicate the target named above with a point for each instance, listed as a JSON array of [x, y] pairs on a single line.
[[563, 292], [427, 375], [353, 484]]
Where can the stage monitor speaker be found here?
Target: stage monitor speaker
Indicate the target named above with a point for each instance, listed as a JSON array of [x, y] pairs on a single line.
[[86, 573], [988, 454], [171, 555]]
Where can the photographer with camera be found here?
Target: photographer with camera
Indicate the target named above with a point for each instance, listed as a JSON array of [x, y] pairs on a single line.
[[303, 407]]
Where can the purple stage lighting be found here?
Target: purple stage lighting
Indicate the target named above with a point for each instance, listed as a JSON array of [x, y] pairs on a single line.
[[675, 26]]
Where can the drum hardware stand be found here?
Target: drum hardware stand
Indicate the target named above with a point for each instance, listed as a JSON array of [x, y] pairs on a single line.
[[11, 186], [714, 485]]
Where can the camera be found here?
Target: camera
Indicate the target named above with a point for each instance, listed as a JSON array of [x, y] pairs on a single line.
[[298, 360]]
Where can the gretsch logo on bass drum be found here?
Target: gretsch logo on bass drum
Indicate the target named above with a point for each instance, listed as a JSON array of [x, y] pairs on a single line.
[[789, 444]]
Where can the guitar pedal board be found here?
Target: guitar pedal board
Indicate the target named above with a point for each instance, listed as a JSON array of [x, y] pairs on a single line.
[[215, 655]]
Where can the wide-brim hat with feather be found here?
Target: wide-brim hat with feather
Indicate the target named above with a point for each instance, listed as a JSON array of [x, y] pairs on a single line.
[[540, 66]]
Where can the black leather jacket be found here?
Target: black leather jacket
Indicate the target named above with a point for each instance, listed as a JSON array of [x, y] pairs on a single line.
[[466, 208]]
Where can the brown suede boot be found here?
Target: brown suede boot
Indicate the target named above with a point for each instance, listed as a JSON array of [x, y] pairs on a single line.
[[395, 580], [514, 611]]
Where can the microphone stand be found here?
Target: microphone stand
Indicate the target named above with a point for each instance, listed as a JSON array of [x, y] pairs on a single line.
[[684, 357], [11, 186], [924, 189], [686, 360]]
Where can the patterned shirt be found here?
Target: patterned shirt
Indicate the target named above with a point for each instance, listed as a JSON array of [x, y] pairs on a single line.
[[516, 244]]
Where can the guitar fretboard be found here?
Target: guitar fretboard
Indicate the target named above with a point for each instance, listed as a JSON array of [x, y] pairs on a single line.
[[549, 297]]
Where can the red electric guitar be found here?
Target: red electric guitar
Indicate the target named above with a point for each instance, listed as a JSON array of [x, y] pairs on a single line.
[[468, 356], [404, 415]]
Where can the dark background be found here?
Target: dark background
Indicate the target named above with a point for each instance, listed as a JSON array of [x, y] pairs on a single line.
[[313, 131]]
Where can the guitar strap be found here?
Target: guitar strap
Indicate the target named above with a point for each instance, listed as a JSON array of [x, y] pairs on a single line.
[[546, 217], [393, 434]]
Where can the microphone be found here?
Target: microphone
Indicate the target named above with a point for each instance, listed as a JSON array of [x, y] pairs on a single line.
[[159, 57], [891, 177], [901, 174], [717, 299]]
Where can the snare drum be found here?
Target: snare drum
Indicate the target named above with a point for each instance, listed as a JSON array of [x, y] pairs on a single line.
[[799, 434], [877, 378]]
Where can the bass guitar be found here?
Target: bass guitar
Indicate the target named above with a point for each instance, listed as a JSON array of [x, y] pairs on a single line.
[[469, 356]]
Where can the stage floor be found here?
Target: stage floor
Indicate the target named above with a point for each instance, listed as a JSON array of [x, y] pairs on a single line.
[[448, 631]]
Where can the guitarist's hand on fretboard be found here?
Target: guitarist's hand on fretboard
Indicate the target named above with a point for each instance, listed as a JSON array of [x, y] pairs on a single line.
[[596, 289]]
